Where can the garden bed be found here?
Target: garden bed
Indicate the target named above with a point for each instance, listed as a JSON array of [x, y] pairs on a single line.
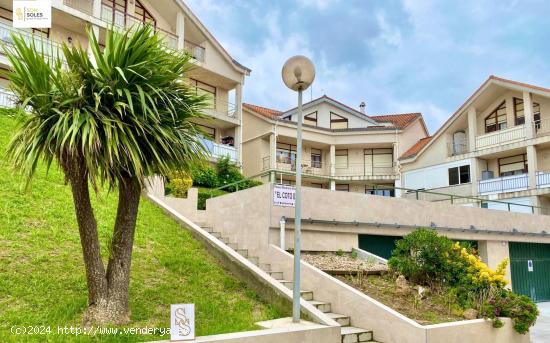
[[341, 263]]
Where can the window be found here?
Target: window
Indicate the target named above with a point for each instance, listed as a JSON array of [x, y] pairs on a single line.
[[202, 88], [389, 192], [497, 119], [209, 132], [513, 165], [114, 11], [311, 119], [519, 113], [378, 161], [338, 122], [144, 15], [459, 175], [316, 158], [341, 159], [286, 153], [342, 188]]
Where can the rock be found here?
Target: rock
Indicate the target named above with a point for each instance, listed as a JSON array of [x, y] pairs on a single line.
[[470, 314], [422, 291], [402, 285]]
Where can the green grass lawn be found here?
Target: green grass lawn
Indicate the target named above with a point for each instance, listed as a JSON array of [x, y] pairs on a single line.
[[42, 278]]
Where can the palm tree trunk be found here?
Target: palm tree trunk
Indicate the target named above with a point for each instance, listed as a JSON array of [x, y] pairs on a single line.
[[77, 174], [118, 268]]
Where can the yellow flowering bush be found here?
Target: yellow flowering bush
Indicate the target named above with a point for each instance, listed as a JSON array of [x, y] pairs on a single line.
[[478, 273]]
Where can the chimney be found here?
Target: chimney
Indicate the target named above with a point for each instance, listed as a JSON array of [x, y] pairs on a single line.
[[362, 107]]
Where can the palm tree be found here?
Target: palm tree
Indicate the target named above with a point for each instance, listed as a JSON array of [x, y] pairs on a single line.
[[108, 120]]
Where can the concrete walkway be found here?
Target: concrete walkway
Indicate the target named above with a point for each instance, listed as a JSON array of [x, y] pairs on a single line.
[[540, 333]]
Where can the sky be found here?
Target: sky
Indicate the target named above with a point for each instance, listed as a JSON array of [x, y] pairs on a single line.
[[397, 56]]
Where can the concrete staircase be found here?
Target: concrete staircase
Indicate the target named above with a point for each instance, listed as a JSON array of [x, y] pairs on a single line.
[[350, 334]]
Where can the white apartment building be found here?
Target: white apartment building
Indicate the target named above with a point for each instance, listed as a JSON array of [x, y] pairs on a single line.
[[496, 146], [216, 74], [344, 149]]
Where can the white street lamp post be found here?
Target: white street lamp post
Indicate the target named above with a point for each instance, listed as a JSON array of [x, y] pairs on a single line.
[[298, 74]]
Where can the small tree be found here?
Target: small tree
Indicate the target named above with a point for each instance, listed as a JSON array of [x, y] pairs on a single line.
[[113, 119]]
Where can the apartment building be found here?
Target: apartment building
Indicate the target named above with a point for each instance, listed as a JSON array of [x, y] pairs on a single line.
[[344, 149], [216, 73], [496, 146]]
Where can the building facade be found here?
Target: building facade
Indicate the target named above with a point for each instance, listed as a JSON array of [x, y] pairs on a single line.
[[343, 149], [216, 73], [496, 146]]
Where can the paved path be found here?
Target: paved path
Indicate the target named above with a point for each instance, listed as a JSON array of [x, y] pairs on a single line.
[[540, 333]]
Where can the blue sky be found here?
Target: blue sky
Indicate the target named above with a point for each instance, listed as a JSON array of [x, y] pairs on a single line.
[[398, 56]]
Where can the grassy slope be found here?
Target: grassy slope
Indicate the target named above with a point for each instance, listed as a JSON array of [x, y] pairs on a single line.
[[42, 275]]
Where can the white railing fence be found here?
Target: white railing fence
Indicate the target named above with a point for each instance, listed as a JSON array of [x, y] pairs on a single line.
[[543, 179], [7, 99], [504, 184], [42, 44], [510, 135], [220, 150]]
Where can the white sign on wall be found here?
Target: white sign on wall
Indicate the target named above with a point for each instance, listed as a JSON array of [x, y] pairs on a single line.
[[29, 14], [284, 196], [530, 265], [182, 322]]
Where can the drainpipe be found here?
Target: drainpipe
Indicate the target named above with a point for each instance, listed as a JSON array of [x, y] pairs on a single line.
[[282, 224]]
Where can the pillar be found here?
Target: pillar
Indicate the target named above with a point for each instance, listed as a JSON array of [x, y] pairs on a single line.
[[239, 129], [472, 129], [96, 8], [494, 252], [532, 165], [332, 167], [474, 174], [528, 112], [180, 30]]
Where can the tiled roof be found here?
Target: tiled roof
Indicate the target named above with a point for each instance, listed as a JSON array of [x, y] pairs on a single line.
[[400, 121], [266, 112], [416, 148]]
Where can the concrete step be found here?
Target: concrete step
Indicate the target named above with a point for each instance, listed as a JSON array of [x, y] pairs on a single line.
[[242, 252], [208, 228], [321, 305], [352, 334], [218, 235], [225, 240], [233, 246], [306, 295], [253, 259], [286, 283], [265, 266], [341, 319], [276, 275]]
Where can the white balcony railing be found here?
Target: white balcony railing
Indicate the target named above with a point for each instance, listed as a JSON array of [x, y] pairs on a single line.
[[503, 184], [361, 170], [542, 127], [543, 179], [196, 51], [457, 147], [513, 134], [217, 150], [42, 44], [7, 99]]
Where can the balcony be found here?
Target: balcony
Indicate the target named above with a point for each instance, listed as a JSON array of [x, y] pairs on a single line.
[[457, 148], [222, 109], [543, 179], [43, 44], [363, 171], [504, 184], [287, 164], [6, 99], [125, 20], [85, 6], [196, 51], [542, 127], [511, 135], [217, 150]]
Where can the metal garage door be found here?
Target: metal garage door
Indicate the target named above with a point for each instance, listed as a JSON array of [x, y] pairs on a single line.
[[379, 245], [530, 265]]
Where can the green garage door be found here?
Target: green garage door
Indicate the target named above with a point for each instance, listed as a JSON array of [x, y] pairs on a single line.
[[530, 266], [379, 245]]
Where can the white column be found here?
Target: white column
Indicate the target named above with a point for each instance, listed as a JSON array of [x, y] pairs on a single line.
[[180, 29], [239, 114], [131, 7], [332, 168], [532, 164], [528, 112], [472, 128], [272, 155], [474, 174], [96, 8]]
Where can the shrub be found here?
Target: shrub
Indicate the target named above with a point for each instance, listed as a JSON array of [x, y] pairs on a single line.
[[179, 183], [204, 176], [228, 173], [207, 193]]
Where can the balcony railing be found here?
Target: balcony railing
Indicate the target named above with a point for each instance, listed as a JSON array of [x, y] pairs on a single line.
[[364, 170], [457, 148], [125, 20], [512, 183], [217, 150], [7, 99], [543, 179], [43, 44], [542, 127], [513, 134], [222, 108], [85, 6], [196, 51]]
